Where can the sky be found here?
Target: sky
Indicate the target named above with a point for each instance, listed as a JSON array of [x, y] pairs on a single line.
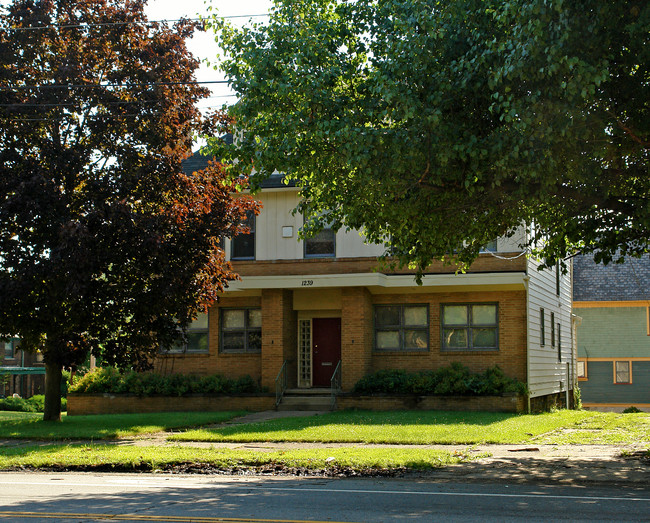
[[203, 45]]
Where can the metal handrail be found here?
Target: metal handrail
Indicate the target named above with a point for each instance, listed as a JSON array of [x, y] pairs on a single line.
[[281, 383], [335, 382]]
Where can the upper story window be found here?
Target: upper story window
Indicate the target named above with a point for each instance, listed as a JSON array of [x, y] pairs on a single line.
[[472, 326], [490, 247], [240, 330], [623, 372], [402, 327], [322, 245], [242, 246]]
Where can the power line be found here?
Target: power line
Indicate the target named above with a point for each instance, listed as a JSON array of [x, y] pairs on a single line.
[[108, 24], [90, 86]]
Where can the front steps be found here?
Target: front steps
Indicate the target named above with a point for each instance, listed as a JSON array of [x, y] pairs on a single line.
[[306, 399]]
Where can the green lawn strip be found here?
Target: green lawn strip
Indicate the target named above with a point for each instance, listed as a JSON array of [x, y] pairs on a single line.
[[24, 425], [398, 427], [124, 457], [604, 428]]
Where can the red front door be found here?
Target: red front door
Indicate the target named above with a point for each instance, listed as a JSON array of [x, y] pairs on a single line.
[[326, 349]]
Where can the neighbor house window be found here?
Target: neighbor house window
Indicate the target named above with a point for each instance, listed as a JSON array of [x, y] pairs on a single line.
[[542, 327], [581, 367], [10, 350], [240, 330], [559, 342], [557, 278], [470, 326], [402, 327], [622, 372], [243, 245], [197, 336]]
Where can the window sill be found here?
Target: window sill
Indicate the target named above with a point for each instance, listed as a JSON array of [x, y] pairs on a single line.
[[239, 354], [469, 351], [398, 352]]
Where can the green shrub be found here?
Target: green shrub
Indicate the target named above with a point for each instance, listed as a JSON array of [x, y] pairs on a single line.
[[34, 404], [455, 380], [631, 410], [110, 380]]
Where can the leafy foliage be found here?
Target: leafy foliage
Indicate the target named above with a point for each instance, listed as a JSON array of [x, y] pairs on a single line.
[[111, 380], [455, 380], [437, 126], [34, 404], [107, 247]]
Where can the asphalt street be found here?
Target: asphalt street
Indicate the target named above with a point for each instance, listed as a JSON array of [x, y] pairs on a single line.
[[83, 497]]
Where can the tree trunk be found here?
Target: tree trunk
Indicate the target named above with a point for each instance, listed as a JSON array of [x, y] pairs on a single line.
[[52, 410]]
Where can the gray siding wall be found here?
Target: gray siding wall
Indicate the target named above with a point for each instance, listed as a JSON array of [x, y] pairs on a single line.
[[600, 387]]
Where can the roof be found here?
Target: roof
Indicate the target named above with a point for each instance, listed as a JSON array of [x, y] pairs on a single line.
[[629, 281], [198, 161]]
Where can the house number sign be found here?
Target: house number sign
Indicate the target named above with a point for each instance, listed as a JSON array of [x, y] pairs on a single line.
[[307, 283]]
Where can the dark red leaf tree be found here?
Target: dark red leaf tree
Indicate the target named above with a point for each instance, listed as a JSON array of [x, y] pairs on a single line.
[[106, 247]]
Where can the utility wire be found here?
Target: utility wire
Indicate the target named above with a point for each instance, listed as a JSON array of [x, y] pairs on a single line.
[[108, 24], [90, 86]]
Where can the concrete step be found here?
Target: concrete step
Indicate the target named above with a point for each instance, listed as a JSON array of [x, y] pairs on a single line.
[[320, 391]]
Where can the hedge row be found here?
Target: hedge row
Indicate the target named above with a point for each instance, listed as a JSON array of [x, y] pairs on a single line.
[[456, 380], [34, 404], [111, 380]]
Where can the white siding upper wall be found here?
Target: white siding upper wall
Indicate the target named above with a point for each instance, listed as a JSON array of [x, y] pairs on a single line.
[[546, 370], [514, 243], [276, 214]]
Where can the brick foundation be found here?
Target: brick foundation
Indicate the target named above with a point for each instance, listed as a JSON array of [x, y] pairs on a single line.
[[82, 404], [508, 403]]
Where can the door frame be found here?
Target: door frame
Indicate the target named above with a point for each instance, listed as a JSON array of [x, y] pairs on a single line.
[[305, 320]]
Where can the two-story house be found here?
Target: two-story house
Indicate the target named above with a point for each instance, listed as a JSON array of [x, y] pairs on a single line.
[[325, 304]]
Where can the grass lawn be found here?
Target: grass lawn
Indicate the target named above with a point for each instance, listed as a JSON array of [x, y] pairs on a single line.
[[124, 458], [30, 425], [430, 427]]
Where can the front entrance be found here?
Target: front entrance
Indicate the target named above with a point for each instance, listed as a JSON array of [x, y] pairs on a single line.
[[326, 349]]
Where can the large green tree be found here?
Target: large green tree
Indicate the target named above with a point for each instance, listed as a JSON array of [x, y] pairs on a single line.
[[105, 245], [440, 125]]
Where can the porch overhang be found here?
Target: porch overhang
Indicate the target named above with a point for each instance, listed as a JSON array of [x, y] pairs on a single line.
[[387, 283]]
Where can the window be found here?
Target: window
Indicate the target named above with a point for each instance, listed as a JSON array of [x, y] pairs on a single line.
[[470, 327], [197, 336], [557, 278], [552, 329], [542, 328], [582, 369], [559, 342], [490, 247], [240, 330], [402, 327], [622, 372], [243, 245], [322, 245], [10, 349]]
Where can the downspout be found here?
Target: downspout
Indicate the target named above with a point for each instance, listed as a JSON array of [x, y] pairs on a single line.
[[526, 285]]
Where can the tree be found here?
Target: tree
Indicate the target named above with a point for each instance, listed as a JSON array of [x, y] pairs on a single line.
[[106, 247], [438, 126]]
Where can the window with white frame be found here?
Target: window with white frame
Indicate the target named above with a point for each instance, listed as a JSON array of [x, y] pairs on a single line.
[[401, 327], [581, 368], [472, 326], [242, 246], [623, 372], [240, 330]]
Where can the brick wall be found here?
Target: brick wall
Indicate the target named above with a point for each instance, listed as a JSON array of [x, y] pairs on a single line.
[[409, 402], [511, 356], [356, 335], [82, 404], [215, 362], [279, 326]]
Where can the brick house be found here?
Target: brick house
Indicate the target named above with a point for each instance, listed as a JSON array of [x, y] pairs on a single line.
[[24, 371], [315, 305], [613, 363]]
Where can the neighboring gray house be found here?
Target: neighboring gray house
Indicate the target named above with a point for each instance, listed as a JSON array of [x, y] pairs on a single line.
[[614, 337]]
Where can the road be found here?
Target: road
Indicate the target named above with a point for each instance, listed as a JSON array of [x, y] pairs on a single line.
[[179, 498]]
